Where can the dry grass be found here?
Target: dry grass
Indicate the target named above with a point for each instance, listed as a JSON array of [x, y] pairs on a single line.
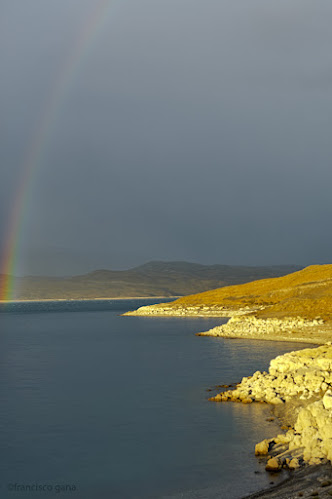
[[306, 293]]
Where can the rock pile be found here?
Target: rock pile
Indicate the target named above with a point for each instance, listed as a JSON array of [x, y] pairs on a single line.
[[309, 441], [305, 375]]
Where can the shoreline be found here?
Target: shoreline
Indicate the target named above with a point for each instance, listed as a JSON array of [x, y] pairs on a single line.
[[298, 384], [243, 324], [307, 482], [298, 388], [36, 300]]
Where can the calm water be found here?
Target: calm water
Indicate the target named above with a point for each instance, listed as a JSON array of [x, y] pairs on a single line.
[[116, 407]]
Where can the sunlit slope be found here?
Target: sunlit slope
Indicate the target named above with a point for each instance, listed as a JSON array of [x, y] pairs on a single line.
[[306, 293]]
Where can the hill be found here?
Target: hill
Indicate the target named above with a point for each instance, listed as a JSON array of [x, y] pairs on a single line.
[[295, 307], [306, 293], [155, 278]]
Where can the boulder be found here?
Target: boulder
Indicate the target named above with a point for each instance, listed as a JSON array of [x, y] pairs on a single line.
[[273, 464], [262, 448]]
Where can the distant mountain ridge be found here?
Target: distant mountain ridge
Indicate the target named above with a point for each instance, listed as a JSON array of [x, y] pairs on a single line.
[[155, 278]]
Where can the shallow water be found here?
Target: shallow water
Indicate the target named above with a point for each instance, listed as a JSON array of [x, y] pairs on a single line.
[[116, 407]]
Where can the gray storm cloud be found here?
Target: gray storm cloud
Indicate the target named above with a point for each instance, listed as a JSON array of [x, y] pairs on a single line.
[[189, 131]]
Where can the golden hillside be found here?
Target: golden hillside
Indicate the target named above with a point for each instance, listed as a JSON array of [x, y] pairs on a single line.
[[306, 293]]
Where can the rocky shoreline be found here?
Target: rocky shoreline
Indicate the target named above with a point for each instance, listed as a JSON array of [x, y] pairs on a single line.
[[244, 324], [171, 309], [301, 381], [295, 329], [299, 387]]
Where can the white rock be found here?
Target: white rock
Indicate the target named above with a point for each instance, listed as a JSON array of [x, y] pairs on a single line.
[[327, 400]]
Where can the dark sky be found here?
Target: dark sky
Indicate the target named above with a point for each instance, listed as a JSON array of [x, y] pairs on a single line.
[[190, 130]]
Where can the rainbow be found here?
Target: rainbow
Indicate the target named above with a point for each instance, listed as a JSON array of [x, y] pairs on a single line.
[[33, 158]]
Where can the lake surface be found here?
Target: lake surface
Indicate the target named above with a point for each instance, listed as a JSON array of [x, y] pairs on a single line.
[[95, 405]]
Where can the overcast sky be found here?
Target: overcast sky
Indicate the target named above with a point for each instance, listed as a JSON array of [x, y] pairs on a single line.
[[188, 130]]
